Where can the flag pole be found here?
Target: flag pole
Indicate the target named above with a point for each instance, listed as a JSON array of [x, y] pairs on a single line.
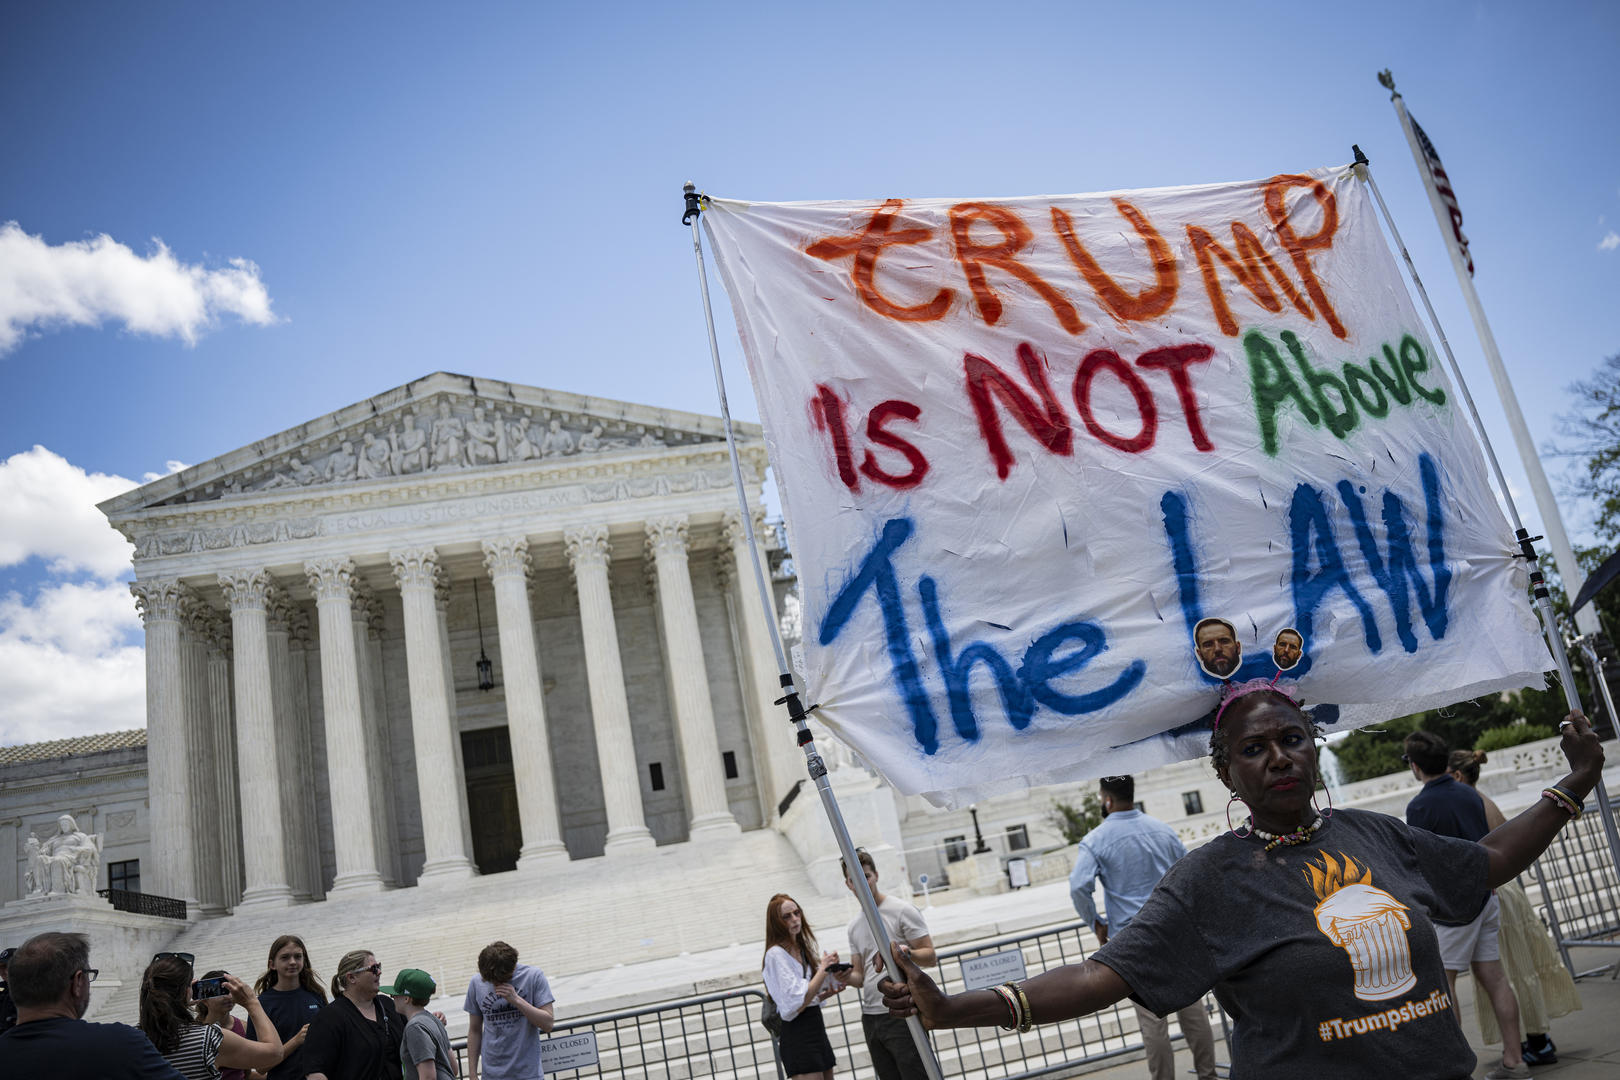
[[695, 204], [1527, 546], [1450, 221]]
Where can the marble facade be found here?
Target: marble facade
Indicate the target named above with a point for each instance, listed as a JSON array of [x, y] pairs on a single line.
[[315, 604]]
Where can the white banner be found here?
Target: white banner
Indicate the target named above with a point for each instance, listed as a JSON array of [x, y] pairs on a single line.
[[1032, 450]]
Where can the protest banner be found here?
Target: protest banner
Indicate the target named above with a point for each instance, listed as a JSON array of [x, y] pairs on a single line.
[[1025, 447]]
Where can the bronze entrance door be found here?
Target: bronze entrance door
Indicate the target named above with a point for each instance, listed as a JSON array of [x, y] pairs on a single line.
[[492, 799]]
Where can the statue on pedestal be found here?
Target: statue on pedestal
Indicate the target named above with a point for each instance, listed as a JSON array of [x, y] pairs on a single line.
[[68, 862]]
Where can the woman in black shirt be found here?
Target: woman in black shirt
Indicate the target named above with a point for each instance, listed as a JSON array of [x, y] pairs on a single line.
[[357, 1036]]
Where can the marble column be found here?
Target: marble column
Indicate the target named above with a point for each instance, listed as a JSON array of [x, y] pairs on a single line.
[[223, 738], [351, 775], [263, 835], [507, 560], [689, 682], [438, 780], [441, 607], [207, 847], [367, 623], [174, 868], [589, 554], [307, 845], [295, 785], [779, 761]]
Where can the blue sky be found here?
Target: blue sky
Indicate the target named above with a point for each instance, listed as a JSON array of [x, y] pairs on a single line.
[[494, 189]]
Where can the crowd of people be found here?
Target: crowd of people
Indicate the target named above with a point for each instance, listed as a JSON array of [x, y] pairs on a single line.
[[188, 1029], [1334, 939]]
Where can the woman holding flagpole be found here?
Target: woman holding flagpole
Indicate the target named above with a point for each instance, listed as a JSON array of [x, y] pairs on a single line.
[[1312, 927]]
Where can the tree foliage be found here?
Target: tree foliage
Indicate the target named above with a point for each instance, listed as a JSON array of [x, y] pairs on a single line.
[[1074, 822], [1592, 439], [1376, 751]]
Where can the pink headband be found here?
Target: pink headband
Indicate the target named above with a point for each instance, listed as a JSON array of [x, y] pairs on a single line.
[[1252, 686]]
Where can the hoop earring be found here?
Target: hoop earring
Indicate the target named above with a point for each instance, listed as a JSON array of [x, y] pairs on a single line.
[[1327, 813], [1248, 826]]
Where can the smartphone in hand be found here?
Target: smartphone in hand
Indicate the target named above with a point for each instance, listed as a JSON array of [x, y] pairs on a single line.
[[203, 989]]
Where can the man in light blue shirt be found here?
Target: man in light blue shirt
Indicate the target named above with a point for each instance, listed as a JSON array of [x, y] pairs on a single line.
[[1129, 852]]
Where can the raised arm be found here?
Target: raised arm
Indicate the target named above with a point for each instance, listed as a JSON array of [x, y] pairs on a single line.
[[1061, 994], [1516, 844], [263, 1051]]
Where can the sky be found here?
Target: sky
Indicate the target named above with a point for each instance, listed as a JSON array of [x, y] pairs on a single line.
[[224, 220]]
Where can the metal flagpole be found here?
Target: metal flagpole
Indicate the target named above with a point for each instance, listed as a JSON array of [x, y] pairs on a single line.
[[797, 714], [1527, 547], [1450, 223]]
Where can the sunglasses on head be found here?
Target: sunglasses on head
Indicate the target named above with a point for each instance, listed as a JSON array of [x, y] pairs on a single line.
[[189, 959]]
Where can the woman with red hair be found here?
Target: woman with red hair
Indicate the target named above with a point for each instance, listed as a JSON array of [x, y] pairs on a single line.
[[797, 982]]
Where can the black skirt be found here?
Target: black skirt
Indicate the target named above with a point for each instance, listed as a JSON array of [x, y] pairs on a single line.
[[803, 1044]]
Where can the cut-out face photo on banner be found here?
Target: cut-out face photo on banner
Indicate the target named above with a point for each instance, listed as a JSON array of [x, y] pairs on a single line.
[[1219, 650], [1288, 648]]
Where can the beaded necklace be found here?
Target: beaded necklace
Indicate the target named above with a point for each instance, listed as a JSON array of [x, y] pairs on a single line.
[[1298, 836]]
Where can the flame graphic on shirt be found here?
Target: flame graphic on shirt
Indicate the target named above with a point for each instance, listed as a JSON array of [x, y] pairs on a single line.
[[1368, 923]]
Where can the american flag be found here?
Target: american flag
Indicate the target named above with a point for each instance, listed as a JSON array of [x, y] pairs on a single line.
[[1442, 184]]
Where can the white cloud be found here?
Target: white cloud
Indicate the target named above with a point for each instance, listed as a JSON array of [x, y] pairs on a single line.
[[66, 665], [1610, 241], [87, 282], [71, 660], [50, 512]]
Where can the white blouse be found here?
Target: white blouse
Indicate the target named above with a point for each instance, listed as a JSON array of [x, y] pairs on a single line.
[[786, 982]]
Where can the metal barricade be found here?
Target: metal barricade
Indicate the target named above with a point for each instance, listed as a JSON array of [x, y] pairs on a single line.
[[994, 1052], [719, 1034], [713, 1035], [1580, 892]]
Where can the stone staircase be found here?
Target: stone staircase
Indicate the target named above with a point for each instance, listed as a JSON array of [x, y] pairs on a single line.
[[577, 917]]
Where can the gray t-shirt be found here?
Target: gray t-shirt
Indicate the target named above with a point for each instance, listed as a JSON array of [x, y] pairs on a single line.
[[426, 1040], [511, 1045], [904, 924], [1323, 954]]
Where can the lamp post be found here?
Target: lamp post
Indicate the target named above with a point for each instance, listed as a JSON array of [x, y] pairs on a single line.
[[979, 846], [486, 670]]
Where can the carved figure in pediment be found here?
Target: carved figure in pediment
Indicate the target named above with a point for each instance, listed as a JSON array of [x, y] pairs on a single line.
[[408, 448], [482, 440], [297, 475], [449, 438], [343, 464], [557, 442], [376, 458], [592, 441], [648, 439], [520, 441]]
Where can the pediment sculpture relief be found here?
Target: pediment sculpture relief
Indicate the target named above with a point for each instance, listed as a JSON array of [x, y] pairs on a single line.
[[421, 440]]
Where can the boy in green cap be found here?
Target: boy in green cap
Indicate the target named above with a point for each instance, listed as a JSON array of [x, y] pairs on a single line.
[[424, 1052]]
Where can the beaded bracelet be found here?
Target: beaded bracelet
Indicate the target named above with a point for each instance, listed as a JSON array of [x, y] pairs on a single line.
[[1008, 1000], [1026, 1018], [1563, 800]]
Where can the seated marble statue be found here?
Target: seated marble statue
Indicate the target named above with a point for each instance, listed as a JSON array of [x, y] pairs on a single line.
[[69, 861]]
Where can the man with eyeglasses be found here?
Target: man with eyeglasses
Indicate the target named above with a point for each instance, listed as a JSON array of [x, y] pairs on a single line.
[[49, 977]]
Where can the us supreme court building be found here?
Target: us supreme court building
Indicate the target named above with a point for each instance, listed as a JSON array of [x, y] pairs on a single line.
[[319, 607]]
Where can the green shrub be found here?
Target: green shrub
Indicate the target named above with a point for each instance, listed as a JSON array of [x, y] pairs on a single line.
[[1500, 738]]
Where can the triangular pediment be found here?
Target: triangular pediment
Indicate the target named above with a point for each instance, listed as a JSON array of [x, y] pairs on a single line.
[[441, 424]]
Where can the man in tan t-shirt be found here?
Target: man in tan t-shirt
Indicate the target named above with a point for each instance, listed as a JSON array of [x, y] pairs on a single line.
[[894, 1055]]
